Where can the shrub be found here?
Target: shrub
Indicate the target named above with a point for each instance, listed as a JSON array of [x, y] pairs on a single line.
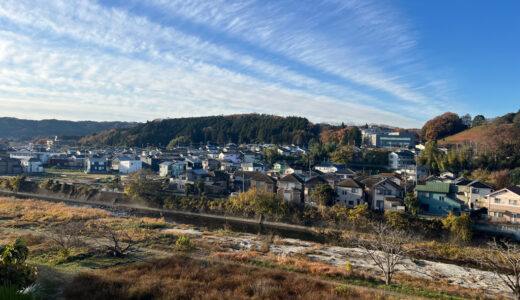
[[184, 243], [460, 226], [348, 266], [13, 269], [343, 291]]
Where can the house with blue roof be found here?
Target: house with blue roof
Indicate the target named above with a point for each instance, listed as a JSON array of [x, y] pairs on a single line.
[[438, 198]]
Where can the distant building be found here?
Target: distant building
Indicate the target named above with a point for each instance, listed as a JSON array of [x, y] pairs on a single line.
[[290, 188], [10, 166], [252, 167], [129, 166], [96, 165], [402, 159], [327, 167], [171, 168], [383, 138], [32, 165]]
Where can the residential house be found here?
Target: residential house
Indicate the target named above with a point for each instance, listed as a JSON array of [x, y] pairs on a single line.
[[344, 173], [438, 198], [290, 188], [448, 175], [350, 192], [96, 165], [252, 167], [65, 161], [216, 183], [230, 156], [293, 170], [280, 166], [383, 194], [504, 205], [262, 182], [130, 166], [327, 167], [10, 166], [472, 192], [193, 163], [400, 159], [165, 168], [284, 151], [32, 165], [190, 176], [310, 184], [250, 156], [210, 164]]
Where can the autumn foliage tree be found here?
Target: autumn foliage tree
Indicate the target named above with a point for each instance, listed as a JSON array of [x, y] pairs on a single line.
[[442, 126]]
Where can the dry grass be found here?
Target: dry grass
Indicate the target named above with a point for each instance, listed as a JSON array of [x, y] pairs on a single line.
[[180, 277], [443, 285], [474, 134], [28, 212]]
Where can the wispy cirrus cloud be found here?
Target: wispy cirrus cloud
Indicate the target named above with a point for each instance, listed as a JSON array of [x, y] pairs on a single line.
[[88, 60]]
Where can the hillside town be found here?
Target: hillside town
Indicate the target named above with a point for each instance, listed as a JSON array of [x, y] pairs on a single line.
[[224, 170]]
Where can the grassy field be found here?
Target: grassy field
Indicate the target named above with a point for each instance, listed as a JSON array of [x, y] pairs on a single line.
[[156, 270]]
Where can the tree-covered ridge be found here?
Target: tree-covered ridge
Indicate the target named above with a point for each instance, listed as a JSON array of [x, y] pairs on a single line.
[[250, 128], [20, 128]]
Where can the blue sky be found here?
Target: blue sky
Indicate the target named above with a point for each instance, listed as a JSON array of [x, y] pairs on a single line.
[[393, 62]]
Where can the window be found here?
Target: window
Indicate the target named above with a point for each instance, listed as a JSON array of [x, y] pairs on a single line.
[[497, 200], [354, 190], [498, 214], [426, 194], [441, 198], [474, 191], [513, 202], [351, 203], [380, 192]]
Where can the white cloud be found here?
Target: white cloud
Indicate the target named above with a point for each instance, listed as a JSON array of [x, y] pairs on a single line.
[[87, 61]]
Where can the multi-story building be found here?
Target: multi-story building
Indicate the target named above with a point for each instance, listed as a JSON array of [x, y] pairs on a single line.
[[504, 205], [402, 159], [385, 138]]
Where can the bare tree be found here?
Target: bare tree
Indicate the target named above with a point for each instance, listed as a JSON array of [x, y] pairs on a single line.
[[120, 241], [66, 235], [388, 249], [504, 260]]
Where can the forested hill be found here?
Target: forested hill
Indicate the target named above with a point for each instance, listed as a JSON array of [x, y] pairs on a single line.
[[28, 129], [250, 128]]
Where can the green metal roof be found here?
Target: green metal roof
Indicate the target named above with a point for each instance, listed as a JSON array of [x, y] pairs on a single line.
[[434, 187]]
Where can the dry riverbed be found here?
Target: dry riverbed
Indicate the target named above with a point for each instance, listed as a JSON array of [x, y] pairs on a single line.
[[339, 256]]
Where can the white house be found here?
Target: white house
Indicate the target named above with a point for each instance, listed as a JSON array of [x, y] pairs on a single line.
[[230, 156], [130, 166], [327, 167], [171, 168], [253, 167], [400, 159], [32, 165]]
